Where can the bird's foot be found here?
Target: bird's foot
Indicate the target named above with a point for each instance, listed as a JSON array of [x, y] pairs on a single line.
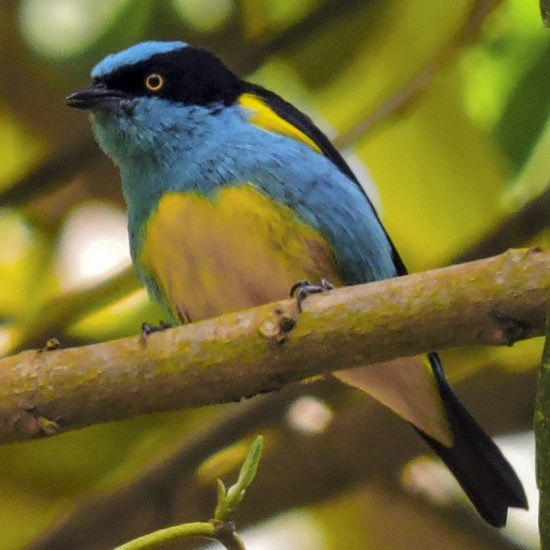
[[43, 424], [147, 328], [302, 289], [51, 345]]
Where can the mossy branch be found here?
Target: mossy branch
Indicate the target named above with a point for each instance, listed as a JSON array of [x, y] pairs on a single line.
[[493, 302]]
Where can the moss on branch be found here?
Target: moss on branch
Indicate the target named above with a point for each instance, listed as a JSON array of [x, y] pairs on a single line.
[[493, 302]]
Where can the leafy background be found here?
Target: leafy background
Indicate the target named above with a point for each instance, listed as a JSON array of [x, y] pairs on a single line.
[[446, 104]]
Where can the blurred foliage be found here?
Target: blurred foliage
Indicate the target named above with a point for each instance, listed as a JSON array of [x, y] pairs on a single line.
[[466, 152]]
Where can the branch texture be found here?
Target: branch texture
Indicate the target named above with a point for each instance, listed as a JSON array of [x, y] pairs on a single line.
[[494, 302]]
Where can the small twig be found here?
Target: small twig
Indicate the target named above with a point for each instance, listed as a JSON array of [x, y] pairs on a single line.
[[224, 533], [229, 499], [228, 536], [169, 535], [221, 528]]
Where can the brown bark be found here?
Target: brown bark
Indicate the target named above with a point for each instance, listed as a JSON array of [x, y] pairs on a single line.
[[494, 302]]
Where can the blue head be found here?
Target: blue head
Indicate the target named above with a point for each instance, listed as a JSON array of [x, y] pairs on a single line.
[[145, 98]]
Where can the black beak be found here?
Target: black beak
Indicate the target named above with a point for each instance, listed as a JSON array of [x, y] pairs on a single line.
[[96, 98]]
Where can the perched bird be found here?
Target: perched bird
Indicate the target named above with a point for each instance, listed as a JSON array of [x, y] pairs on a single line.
[[233, 196]]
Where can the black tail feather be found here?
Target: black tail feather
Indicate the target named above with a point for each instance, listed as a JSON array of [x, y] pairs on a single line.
[[474, 459]]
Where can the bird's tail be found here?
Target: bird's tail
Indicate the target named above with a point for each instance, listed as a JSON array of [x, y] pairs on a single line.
[[474, 459]]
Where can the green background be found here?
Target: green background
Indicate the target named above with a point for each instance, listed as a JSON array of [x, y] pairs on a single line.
[[464, 152]]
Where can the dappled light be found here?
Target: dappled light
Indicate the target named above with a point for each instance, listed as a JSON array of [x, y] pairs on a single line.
[[93, 244], [309, 415]]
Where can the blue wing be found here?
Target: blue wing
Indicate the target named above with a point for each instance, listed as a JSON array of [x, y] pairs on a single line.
[[301, 121]]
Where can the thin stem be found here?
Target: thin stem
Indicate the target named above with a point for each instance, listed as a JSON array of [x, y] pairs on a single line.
[[223, 532], [227, 535], [159, 538]]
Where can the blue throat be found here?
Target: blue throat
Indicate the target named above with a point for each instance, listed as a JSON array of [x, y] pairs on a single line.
[[163, 147]]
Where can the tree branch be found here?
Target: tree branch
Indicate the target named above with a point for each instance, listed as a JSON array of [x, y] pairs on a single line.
[[494, 301]]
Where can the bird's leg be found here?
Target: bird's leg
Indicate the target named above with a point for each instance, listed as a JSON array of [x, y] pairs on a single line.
[[302, 289], [147, 328]]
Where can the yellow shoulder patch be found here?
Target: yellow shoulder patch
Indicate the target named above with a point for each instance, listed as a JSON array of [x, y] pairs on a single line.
[[266, 118]]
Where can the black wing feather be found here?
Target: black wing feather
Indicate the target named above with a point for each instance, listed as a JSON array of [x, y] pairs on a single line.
[[474, 459]]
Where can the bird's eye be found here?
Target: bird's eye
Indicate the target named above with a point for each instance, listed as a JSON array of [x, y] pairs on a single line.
[[154, 82]]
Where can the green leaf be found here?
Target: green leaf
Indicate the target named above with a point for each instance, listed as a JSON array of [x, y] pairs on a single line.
[[230, 499]]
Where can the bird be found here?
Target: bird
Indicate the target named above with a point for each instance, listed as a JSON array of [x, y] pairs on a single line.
[[234, 195]]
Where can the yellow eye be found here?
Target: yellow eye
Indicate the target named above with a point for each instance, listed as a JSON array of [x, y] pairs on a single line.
[[154, 82]]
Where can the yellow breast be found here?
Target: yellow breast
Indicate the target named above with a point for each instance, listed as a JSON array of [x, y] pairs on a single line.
[[238, 250]]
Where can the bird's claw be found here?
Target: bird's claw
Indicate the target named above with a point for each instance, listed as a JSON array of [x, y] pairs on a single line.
[[302, 289], [147, 328]]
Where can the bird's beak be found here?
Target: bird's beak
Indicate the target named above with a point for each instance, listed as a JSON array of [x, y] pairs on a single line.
[[95, 98]]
